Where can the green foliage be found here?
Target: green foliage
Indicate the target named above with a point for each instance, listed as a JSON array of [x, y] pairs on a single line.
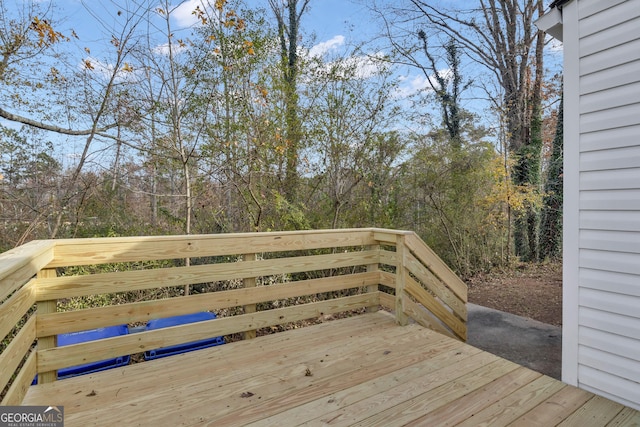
[[551, 223], [527, 172], [287, 216], [225, 136], [456, 208]]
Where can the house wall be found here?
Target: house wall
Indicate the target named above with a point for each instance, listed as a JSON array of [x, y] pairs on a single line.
[[601, 350]]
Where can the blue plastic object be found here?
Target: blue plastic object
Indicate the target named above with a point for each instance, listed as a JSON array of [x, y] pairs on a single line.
[[91, 335], [186, 347]]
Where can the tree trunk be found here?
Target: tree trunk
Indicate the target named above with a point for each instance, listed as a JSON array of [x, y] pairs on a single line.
[[289, 17], [551, 223]]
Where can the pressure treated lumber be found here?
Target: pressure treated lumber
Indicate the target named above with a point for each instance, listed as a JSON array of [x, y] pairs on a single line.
[[361, 370]]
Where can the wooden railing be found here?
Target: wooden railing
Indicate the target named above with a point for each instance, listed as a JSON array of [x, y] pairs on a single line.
[[252, 281]]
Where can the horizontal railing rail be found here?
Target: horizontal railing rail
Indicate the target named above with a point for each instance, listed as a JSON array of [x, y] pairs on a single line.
[[252, 281]]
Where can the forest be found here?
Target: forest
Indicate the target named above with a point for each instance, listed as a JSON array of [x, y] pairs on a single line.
[[240, 122]]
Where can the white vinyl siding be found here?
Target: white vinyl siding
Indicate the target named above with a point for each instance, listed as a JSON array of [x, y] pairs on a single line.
[[607, 240], [620, 158], [605, 139], [611, 199], [609, 386], [606, 356], [617, 55]]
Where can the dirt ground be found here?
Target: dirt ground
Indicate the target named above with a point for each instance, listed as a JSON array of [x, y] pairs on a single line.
[[528, 290]]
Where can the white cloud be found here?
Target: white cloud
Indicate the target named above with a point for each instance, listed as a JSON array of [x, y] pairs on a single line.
[[106, 70], [358, 66], [410, 85], [163, 49], [183, 14], [97, 66], [366, 66], [323, 48]]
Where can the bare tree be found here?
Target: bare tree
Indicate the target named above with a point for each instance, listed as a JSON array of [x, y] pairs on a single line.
[[83, 98], [25, 39], [350, 120]]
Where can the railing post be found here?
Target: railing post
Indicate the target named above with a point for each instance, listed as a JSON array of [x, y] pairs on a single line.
[[401, 318], [373, 288], [45, 307], [249, 282]]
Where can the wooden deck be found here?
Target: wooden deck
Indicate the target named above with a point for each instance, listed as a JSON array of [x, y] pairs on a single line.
[[363, 370]]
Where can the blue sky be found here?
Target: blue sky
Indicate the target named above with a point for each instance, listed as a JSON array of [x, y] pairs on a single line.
[[329, 26]]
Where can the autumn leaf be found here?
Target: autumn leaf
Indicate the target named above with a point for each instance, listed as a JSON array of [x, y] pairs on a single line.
[[55, 75], [198, 13], [263, 91], [127, 68], [88, 64], [220, 4], [46, 34]]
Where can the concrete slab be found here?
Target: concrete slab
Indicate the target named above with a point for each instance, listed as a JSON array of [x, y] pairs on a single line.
[[529, 343]]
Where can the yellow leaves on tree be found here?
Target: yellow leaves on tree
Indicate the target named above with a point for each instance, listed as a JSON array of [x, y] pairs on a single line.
[[220, 4], [46, 34], [199, 13], [263, 91], [233, 21], [505, 193], [240, 24], [248, 45], [56, 76]]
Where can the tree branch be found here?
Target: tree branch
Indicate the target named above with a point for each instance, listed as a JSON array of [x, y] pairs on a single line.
[[52, 128]]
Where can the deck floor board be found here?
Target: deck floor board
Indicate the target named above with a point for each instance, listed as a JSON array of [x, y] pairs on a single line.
[[363, 370]]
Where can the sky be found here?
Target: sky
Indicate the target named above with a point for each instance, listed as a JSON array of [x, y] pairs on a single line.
[[329, 27]]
